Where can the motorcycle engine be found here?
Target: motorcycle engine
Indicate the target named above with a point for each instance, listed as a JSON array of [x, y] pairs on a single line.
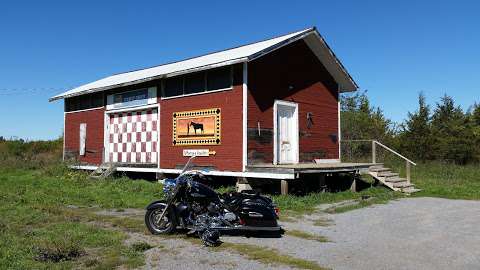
[[229, 216]]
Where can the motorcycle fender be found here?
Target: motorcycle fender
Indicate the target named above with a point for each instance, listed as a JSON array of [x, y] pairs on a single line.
[[156, 204]]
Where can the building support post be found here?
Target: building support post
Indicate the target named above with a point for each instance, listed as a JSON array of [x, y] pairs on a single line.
[[160, 176], [283, 187], [374, 152], [353, 187], [242, 184], [321, 182], [408, 172]]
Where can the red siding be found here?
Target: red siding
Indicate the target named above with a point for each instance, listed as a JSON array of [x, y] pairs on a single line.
[[94, 141], [292, 73], [229, 153]]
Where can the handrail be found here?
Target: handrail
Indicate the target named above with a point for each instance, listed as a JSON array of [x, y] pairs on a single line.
[[384, 146], [374, 155], [395, 152]]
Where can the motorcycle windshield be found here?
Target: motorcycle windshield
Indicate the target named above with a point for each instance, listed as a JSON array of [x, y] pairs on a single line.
[[188, 166]]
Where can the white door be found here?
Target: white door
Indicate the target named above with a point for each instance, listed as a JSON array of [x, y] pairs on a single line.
[[286, 132]]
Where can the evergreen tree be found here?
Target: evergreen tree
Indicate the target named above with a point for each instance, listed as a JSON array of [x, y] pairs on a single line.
[[451, 134], [475, 114], [416, 136], [361, 121]]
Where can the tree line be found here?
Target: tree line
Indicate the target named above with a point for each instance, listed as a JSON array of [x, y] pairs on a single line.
[[443, 132]]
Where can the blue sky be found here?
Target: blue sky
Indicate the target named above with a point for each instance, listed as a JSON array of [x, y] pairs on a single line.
[[393, 49]]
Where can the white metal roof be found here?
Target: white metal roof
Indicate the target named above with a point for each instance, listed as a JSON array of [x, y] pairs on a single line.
[[227, 57]]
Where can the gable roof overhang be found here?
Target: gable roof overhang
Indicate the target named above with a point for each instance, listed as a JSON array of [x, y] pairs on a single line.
[[232, 56]]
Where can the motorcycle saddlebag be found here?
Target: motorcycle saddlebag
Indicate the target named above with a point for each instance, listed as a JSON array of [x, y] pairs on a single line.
[[258, 212]]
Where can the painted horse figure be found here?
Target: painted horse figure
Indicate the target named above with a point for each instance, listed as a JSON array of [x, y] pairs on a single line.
[[195, 126]]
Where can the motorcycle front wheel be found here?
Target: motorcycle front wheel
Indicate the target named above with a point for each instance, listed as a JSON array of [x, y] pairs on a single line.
[[157, 226]]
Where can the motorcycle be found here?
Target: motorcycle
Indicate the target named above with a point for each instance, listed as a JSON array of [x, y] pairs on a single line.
[[192, 205]]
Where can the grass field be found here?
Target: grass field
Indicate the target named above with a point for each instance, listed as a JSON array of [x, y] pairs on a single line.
[[448, 181], [47, 218]]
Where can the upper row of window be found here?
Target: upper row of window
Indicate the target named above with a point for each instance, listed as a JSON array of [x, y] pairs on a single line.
[[198, 82]]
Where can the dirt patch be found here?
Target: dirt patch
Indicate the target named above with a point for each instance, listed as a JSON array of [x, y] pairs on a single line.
[[122, 212]]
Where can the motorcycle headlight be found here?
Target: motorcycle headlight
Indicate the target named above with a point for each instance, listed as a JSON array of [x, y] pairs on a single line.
[[169, 186]]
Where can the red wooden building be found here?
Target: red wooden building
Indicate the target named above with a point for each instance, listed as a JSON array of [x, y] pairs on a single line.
[[252, 111]]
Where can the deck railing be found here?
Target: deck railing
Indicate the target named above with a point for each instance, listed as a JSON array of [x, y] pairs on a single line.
[[361, 153]]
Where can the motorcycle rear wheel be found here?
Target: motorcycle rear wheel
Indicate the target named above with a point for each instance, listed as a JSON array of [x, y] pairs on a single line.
[[155, 226]]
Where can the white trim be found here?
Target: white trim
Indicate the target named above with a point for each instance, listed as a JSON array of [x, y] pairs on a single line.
[[244, 116], [278, 46], [339, 126], [129, 109], [106, 132], [85, 110], [275, 136], [212, 173], [64, 134], [158, 135], [106, 137], [199, 93]]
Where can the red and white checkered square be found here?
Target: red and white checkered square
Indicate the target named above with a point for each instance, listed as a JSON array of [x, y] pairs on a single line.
[[134, 137]]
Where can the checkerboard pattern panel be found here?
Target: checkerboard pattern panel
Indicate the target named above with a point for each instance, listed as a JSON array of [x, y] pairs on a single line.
[[134, 137]]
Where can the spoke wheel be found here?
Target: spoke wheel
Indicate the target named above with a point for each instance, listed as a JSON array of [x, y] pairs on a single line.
[[157, 226]]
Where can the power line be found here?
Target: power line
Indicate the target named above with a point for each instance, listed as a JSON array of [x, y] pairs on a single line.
[[38, 90]]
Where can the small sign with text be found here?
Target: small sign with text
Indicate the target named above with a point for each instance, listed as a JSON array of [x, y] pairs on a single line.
[[197, 152]]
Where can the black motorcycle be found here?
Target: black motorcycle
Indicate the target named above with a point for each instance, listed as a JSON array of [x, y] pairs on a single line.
[[194, 206]]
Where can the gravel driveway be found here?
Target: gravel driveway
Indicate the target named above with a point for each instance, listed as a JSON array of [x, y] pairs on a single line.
[[411, 233]]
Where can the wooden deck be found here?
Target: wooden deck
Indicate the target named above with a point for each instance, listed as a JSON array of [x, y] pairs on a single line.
[[335, 167]]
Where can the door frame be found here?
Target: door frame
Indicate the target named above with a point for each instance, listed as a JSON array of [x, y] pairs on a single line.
[[275, 130], [106, 127]]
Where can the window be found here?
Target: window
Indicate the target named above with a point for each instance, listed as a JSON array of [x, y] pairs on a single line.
[[173, 87], [194, 83], [132, 98], [198, 82], [84, 102], [220, 78]]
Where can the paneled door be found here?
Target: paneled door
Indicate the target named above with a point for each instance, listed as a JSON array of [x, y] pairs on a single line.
[[286, 141]]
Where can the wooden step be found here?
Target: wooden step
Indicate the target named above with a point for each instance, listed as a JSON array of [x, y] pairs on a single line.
[[379, 169], [410, 190], [104, 171], [402, 185], [395, 180], [387, 174]]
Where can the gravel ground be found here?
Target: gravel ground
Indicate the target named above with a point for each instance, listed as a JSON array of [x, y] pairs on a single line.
[[175, 253], [414, 233]]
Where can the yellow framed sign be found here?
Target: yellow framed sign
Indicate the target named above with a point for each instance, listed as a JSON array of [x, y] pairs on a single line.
[[198, 127]]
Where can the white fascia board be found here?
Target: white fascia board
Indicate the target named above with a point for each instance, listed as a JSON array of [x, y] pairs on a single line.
[[281, 44], [211, 173]]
